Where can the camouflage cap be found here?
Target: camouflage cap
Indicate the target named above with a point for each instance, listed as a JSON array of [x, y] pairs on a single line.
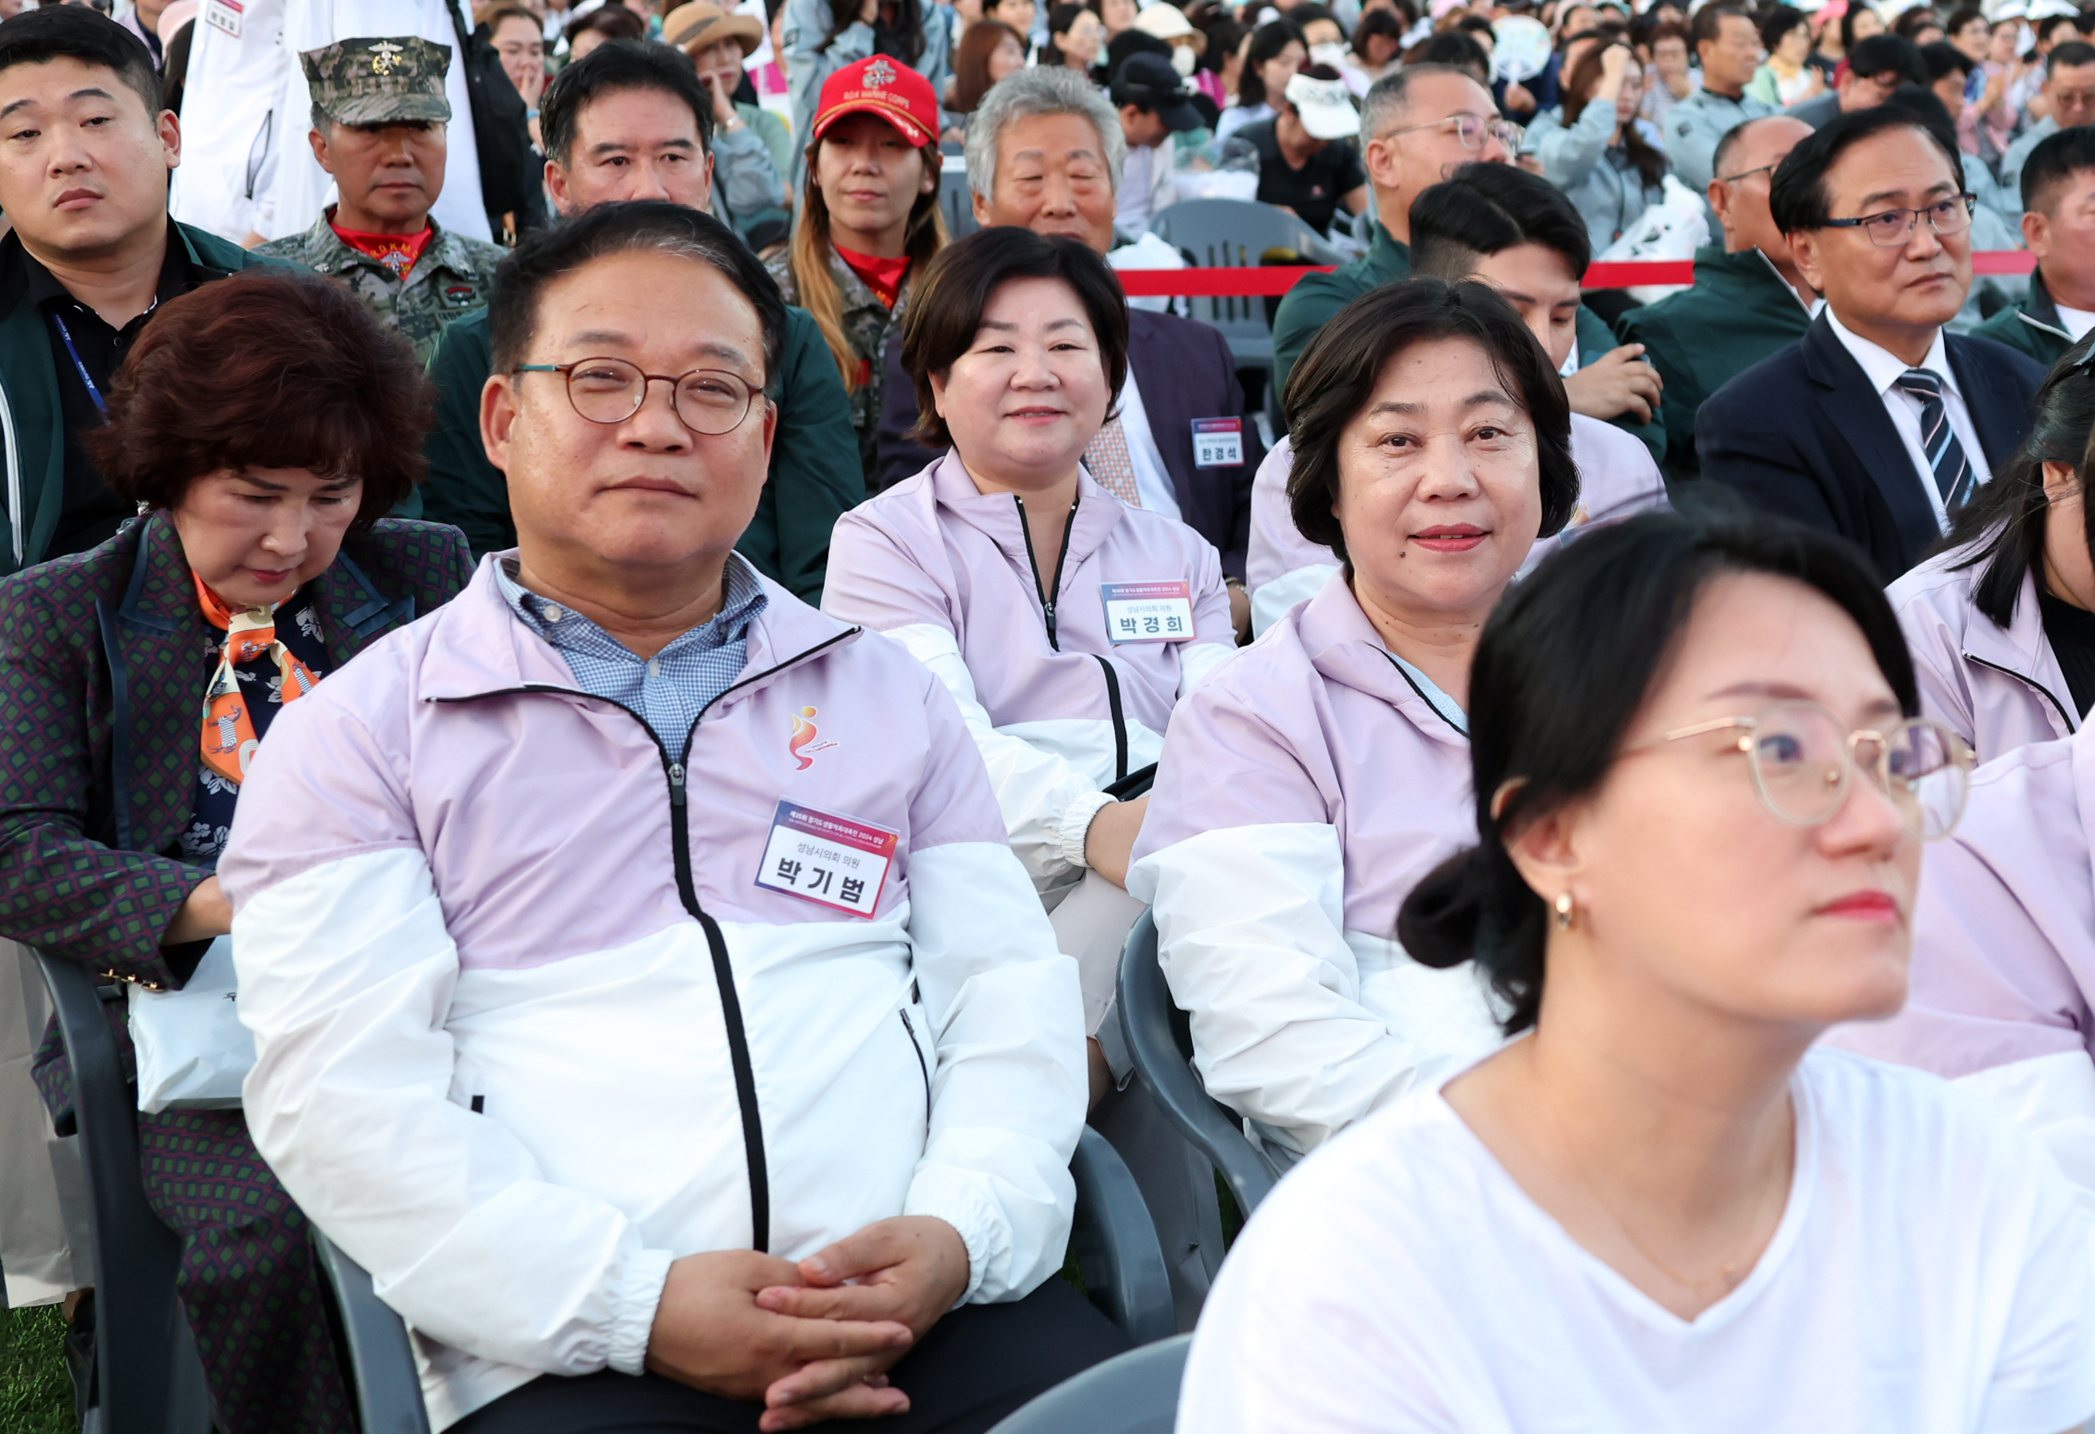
[[375, 80]]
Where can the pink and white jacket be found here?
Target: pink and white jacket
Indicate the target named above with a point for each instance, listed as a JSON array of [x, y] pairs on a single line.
[[1304, 790], [527, 1029], [2004, 951], [1059, 711], [1997, 689], [1283, 568]]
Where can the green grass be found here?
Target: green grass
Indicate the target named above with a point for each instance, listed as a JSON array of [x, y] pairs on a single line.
[[35, 1395]]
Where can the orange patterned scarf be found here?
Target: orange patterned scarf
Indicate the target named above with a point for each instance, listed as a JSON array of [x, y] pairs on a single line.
[[229, 739]]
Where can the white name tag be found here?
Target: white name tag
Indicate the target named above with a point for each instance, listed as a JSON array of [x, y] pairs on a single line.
[[225, 14], [1148, 612], [827, 859], [1218, 442]]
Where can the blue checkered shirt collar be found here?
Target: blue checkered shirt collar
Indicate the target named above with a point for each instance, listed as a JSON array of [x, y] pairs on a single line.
[[668, 690]]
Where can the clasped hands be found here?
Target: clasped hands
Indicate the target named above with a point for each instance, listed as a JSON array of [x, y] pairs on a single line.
[[812, 1340]]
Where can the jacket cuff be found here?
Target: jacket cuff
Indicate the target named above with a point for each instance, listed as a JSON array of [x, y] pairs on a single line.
[[950, 1195], [1075, 824], [635, 1295]]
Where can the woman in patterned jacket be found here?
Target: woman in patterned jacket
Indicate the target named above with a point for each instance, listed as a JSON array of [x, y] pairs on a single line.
[[264, 425]]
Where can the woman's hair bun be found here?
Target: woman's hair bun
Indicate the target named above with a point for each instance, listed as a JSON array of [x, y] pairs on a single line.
[[1439, 922]]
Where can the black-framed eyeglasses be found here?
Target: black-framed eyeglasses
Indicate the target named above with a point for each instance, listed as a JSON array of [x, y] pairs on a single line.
[[609, 390], [1893, 227], [1470, 129]]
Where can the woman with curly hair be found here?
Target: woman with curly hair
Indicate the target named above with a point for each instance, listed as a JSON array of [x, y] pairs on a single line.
[[265, 425]]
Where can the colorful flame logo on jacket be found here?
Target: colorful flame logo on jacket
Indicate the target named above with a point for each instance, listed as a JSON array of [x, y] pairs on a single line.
[[804, 731]]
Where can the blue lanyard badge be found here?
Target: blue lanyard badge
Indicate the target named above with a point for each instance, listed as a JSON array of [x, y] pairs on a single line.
[[101, 404]]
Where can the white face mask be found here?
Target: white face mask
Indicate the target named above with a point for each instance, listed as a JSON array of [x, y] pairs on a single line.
[[1183, 59], [1333, 55]]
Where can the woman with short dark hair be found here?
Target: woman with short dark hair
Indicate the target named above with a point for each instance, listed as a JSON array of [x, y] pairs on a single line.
[[265, 425], [1700, 792], [1309, 784], [2002, 621], [1034, 569]]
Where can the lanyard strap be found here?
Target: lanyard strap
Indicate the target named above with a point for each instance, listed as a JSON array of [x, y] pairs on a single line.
[[101, 404]]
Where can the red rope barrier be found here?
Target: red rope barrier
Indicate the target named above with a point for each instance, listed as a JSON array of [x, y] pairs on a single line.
[[1268, 281]]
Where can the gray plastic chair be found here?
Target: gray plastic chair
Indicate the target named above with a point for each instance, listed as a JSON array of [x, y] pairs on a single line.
[[957, 200], [1115, 1245], [1132, 1393], [1160, 1041], [1235, 234], [147, 1378], [381, 1363]]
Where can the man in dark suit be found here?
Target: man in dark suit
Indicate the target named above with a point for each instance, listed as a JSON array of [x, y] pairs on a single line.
[[1043, 151], [1877, 424]]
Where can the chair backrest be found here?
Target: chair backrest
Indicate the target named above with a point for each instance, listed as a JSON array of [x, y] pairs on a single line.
[[1132, 1393], [148, 1379], [1235, 234], [1116, 1245], [381, 1361], [1160, 1039], [956, 199]]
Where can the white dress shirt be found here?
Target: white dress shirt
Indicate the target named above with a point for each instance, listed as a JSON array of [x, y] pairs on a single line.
[[2076, 322], [1884, 369], [1152, 479]]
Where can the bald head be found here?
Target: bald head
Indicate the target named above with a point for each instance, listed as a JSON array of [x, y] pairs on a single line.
[[1744, 165]]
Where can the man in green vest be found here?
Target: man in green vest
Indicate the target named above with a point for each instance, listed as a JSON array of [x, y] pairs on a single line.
[[632, 121], [2058, 226], [1416, 128], [83, 177], [1748, 300]]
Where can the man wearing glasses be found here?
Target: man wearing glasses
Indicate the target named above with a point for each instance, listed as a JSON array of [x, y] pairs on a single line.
[[1416, 127], [1877, 424], [1747, 301], [643, 986]]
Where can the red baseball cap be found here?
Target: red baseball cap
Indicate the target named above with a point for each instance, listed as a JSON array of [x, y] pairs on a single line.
[[885, 87]]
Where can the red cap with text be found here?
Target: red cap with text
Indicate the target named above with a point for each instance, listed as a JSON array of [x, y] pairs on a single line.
[[885, 87]]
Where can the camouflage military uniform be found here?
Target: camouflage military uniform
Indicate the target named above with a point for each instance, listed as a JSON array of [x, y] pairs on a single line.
[[451, 278], [867, 324]]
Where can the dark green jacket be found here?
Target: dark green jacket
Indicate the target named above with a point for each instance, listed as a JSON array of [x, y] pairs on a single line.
[[1739, 312], [1595, 342], [2032, 326], [1316, 299], [815, 477], [103, 663], [32, 469]]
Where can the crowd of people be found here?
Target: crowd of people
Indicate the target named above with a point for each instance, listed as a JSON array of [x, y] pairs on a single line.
[[695, 669]]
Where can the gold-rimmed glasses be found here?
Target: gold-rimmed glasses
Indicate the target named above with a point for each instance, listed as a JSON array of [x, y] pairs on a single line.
[[1803, 758]]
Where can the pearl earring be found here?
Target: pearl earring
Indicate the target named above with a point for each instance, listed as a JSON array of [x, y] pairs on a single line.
[[1565, 911]]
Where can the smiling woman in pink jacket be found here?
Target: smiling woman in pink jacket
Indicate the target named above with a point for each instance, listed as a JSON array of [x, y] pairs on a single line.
[[2000, 622], [1310, 784], [1064, 617]]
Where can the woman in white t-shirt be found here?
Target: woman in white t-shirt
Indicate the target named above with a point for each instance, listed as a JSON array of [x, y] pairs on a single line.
[[1701, 796]]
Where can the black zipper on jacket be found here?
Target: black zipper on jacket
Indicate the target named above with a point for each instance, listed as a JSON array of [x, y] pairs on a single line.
[[2072, 722], [1120, 725], [922, 1065], [1048, 597], [676, 773]]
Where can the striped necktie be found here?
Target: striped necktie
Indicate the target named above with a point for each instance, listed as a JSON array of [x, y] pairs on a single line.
[[1108, 460], [1937, 439]]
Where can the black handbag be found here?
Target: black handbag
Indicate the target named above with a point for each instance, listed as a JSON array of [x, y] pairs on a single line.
[[512, 174]]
